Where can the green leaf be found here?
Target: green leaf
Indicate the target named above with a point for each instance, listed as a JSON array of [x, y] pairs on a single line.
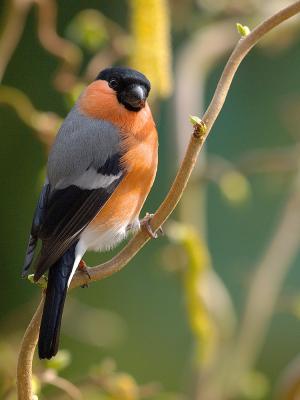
[[243, 30]]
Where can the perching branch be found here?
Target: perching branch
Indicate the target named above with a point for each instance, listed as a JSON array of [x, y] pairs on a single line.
[[200, 133], [24, 366]]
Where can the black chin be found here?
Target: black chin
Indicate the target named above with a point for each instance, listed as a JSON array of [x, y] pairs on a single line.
[[131, 108], [134, 105]]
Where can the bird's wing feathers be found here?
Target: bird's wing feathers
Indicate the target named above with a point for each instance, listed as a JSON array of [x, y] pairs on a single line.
[[81, 143], [70, 212], [84, 169]]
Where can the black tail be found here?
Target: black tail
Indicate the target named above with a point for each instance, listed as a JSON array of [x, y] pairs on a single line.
[[56, 292]]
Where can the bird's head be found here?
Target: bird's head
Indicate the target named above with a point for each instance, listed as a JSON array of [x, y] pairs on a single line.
[[118, 95], [131, 87]]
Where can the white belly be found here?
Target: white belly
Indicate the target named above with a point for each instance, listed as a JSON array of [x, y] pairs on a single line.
[[106, 239], [97, 240]]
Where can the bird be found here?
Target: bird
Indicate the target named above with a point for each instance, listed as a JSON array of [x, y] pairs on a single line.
[[100, 170]]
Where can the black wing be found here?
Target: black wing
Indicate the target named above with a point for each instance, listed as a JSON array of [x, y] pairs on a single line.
[[62, 214], [69, 211]]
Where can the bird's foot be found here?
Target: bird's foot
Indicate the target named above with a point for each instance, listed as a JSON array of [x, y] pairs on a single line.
[[145, 223], [84, 268]]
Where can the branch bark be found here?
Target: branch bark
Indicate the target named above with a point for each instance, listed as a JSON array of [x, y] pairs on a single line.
[[24, 366], [197, 140]]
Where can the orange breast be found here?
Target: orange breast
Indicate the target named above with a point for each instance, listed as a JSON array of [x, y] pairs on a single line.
[[140, 146], [100, 101], [126, 202]]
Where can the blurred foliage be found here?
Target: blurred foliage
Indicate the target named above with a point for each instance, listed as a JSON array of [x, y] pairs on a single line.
[[196, 269], [88, 30], [103, 381], [235, 187], [180, 330]]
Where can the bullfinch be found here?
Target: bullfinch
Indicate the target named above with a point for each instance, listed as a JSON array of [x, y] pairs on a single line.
[[100, 170]]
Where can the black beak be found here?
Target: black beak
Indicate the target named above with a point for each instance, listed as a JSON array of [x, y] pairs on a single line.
[[133, 97]]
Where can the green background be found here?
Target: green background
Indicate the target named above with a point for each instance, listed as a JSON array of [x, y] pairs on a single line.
[[155, 342]]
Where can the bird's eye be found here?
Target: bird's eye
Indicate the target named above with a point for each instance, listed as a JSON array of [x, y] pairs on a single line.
[[113, 83]]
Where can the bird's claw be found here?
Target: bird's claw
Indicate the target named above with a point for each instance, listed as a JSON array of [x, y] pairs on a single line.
[[84, 268], [145, 223]]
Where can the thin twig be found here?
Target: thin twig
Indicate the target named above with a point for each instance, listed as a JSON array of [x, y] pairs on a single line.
[[192, 67]]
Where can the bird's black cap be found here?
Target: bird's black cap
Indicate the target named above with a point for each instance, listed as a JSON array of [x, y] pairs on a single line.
[[125, 75]]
